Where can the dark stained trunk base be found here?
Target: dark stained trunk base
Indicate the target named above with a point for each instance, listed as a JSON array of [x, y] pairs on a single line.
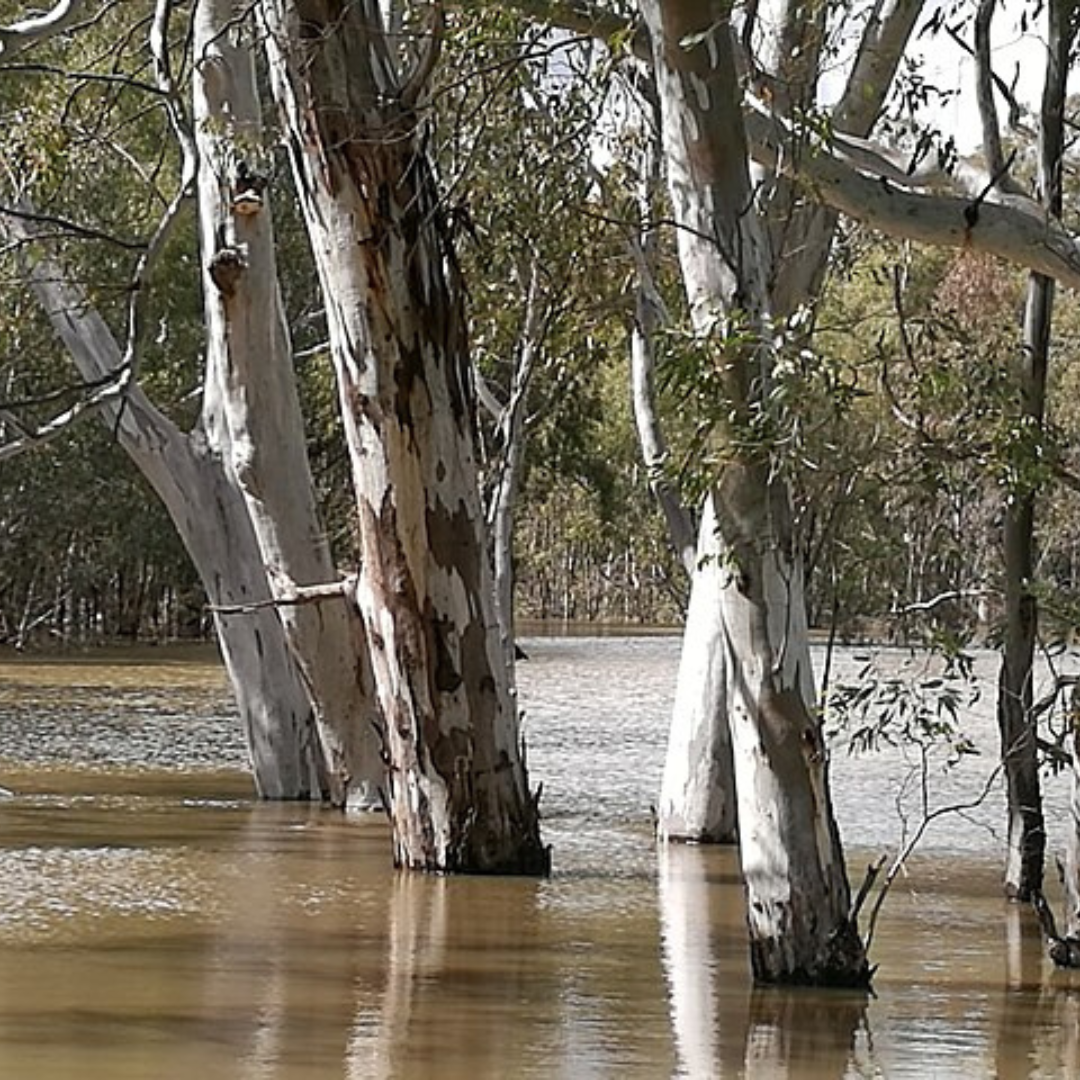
[[841, 964]]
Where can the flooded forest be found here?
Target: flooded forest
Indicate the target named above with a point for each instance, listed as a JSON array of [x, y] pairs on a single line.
[[539, 539]]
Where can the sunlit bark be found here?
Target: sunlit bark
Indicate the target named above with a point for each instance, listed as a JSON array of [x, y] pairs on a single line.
[[697, 793], [202, 499], [797, 889], [458, 792], [252, 399]]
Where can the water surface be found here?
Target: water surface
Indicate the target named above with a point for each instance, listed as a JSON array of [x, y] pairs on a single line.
[[156, 923]]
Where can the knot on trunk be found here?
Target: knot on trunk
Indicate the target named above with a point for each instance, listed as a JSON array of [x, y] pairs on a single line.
[[226, 268]]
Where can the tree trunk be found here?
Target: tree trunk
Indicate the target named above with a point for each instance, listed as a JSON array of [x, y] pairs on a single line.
[[1019, 750], [213, 523], [1071, 871], [648, 319], [697, 790], [697, 793], [252, 397], [459, 798], [797, 889], [512, 433]]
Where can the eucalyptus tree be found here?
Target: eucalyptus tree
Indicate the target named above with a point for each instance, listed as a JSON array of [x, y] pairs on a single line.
[[1016, 718], [752, 254], [350, 104], [260, 429], [246, 515]]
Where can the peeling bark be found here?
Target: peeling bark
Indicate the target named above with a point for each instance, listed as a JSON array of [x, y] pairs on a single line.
[[458, 792], [252, 396], [798, 896]]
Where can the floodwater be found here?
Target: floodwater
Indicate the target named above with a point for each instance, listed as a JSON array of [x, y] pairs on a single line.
[[155, 923]]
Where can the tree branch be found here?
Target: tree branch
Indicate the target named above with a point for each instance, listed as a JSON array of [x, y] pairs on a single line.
[[883, 42], [418, 80], [21, 35], [996, 163], [1009, 227], [295, 596], [174, 108], [31, 439], [85, 232]]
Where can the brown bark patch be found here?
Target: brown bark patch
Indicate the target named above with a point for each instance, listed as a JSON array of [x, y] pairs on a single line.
[[453, 542], [408, 375], [227, 267], [447, 678]]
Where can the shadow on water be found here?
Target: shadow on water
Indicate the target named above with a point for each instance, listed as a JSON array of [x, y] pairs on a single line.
[[156, 923]]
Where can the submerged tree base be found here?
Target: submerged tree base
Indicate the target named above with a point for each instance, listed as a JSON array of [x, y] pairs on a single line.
[[841, 964], [533, 860]]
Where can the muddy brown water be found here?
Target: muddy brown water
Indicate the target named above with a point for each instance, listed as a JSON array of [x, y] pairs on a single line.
[[155, 923]]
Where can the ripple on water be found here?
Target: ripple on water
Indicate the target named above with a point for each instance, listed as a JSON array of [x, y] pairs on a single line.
[[61, 893]]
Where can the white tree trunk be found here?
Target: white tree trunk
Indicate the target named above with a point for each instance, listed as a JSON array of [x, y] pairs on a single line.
[[797, 889], [213, 523], [459, 797], [697, 793], [648, 319], [1071, 873], [251, 395]]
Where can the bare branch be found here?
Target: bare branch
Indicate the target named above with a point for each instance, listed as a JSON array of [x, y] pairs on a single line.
[[295, 596], [85, 232], [1016, 110], [941, 598], [89, 340], [487, 397], [984, 95], [94, 401], [174, 108], [108, 78], [905, 853]]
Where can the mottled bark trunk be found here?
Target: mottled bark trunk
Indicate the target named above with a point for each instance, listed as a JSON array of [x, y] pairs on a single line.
[[697, 792], [458, 791], [797, 889], [252, 397], [275, 710]]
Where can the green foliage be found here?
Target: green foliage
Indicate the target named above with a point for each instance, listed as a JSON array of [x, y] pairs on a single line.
[[887, 704], [517, 111]]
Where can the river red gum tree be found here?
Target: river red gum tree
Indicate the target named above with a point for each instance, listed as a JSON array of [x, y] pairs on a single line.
[[798, 897], [260, 426], [458, 790]]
